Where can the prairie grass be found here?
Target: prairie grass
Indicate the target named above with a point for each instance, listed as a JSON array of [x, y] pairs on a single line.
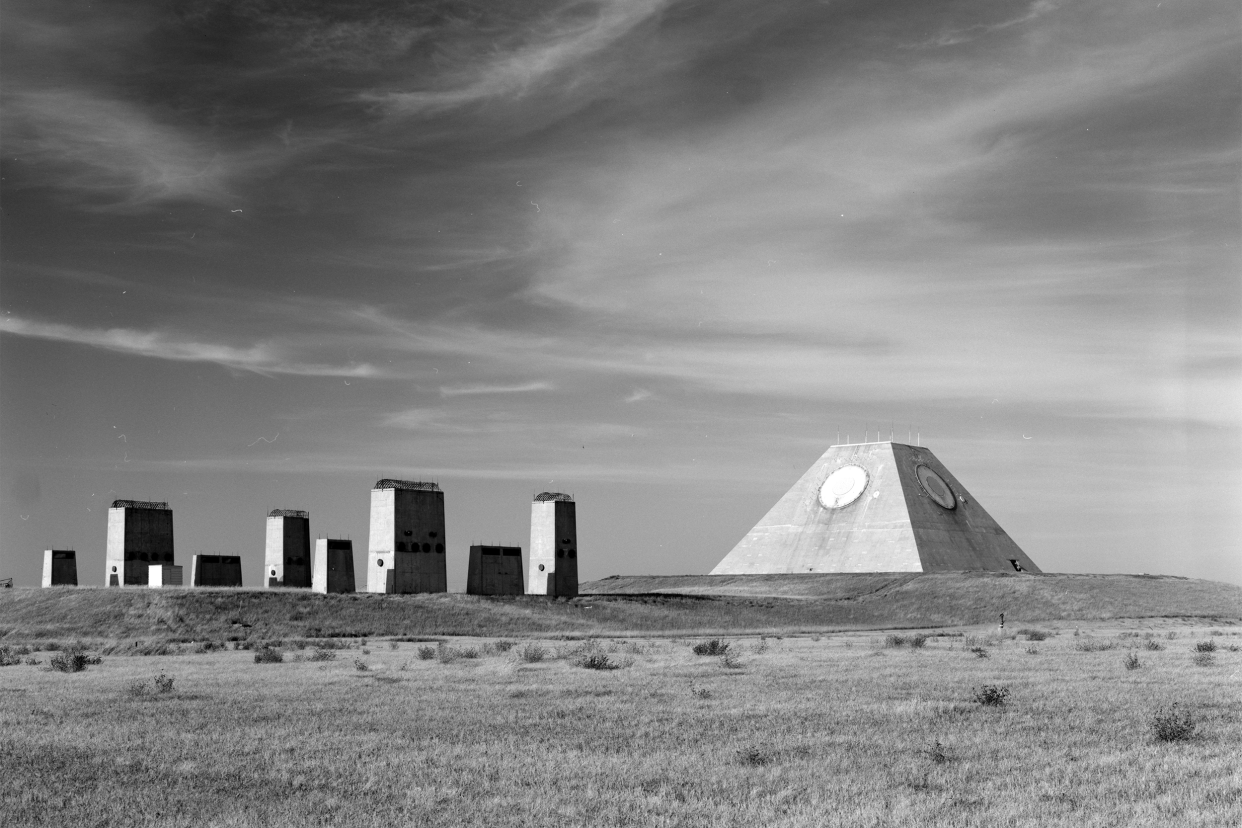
[[808, 734]]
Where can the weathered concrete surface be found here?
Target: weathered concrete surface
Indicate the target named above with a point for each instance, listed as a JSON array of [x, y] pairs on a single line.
[[407, 545], [894, 525], [60, 567], [334, 566], [286, 556], [495, 570], [215, 571], [553, 546], [140, 533], [164, 575]]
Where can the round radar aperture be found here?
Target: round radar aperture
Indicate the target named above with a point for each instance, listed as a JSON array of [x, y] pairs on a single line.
[[842, 487], [935, 487]]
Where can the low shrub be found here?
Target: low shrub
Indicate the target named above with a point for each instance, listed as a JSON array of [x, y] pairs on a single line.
[[1153, 645], [469, 652], [1131, 661], [597, 661], [980, 652], [164, 683], [714, 647], [1204, 659], [533, 653], [72, 661], [1087, 644], [268, 655], [700, 692], [937, 753], [1208, 646], [446, 654], [1171, 724], [9, 657], [502, 646], [991, 695], [754, 757], [360, 665], [731, 661], [914, 642], [1034, 635], [31, 661], [393, 645], [762, 646], [426, 653], [321, 655], [138, 689], [1031, 649]]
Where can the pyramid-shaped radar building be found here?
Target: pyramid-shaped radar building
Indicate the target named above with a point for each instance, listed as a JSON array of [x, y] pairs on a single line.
[[876, 507]]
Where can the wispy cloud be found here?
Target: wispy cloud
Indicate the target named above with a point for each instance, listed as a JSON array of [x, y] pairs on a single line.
[[468, 390], [258, 359], [545, 49]]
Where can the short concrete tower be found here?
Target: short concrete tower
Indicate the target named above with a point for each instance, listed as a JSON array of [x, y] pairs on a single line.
[[140, 533], [553, 546], [287, 558], [406, 546], [60, 567], [215, 571], [334, 566], [495, 570]]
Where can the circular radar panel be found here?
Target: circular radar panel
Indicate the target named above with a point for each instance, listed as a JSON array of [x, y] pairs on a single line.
[[842, 487], [935, 487]]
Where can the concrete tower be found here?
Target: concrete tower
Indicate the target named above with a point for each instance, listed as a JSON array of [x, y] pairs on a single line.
[[406, 547], [287, 558], [495, 570], [60, 567], [876, 507], [334, 566], [553, 546], [215, 570], [140, 533]]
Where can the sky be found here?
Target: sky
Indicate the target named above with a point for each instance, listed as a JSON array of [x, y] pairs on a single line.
[[659, 255]]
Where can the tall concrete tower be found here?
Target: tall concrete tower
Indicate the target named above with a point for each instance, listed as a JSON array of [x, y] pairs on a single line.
[[407, 547], [553, 546], [140, 533], [287, 559], [876, 507]]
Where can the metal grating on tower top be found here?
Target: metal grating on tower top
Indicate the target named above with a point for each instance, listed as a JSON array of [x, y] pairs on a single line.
[[558, 496], [140, 504], [415, 485], [298, 513]]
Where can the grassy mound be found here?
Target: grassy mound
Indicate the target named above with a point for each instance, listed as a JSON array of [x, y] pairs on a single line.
[[690, 604]]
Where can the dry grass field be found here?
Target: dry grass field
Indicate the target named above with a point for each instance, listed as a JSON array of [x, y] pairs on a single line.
[[850, 729]]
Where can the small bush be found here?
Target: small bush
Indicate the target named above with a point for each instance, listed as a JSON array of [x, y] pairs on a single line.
[[321, 655], [1153, 645], [533, 653], [700, 692], [1131, 661], [1204, 659], [894, 640], [426, 653], [731, 661], [1094, 645], [71, 661], [446, 654], [393, 645], [138, 689], [9, 657], [502, 646], [1170, 724], [1208, 646], [980, 652], [366, 652], [754, 757], [991, 695], [360, 665], [33, 662], [597, 661], [714, 647], [762, 646], [1031, 649], [917, 642], [164, 683], [268, 655], [937, 752], [469, 652], [1034, 635], [914, 642]]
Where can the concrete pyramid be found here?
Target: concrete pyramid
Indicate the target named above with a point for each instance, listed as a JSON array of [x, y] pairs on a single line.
[[876, 507]]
